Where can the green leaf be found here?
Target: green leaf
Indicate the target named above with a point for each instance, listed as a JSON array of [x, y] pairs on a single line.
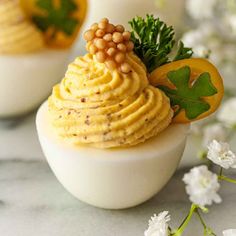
[[154, 41], [183, 52], [69, 25], [46, 5], [189, 96], [68, 6], [59, 18], [42, 22]]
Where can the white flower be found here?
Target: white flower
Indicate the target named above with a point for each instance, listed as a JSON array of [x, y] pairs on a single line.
[[229, 232], [220, 154], [227, 113], [192, 37], [202, 186], [158, 225], [197, 40], [201, 9], [201, 51], [231, 21], [214, 131]]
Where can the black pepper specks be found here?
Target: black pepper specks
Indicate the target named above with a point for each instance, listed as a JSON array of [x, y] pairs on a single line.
[[109, 116], [87, 122]]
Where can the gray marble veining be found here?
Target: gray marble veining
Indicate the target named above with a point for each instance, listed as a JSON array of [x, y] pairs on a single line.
[[32, 202]]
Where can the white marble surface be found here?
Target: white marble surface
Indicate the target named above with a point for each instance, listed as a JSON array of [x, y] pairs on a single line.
[[33, 203]]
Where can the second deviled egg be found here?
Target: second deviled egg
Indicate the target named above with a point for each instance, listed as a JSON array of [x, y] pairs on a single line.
[[28, 67]]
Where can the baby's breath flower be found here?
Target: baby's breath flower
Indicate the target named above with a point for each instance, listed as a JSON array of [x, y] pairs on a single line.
[[202, 186], [229, 232], [220, 154], [201, 9], [197, 40], [231, 21], [158, 225], [214, 131], [227, 113]]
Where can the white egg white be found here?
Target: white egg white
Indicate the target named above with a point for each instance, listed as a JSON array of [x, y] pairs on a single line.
[[113, 178], [26, 80]]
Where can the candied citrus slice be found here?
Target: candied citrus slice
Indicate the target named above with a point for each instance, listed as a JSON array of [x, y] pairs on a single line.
[[55, 38], [160, 78]]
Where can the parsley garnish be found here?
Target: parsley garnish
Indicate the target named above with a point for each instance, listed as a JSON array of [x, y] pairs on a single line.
[[59, 18], [189, 96], [154, 41]]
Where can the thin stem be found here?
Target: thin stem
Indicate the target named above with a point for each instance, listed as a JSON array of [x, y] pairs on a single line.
[[184, 224], [201, 219], [207, 230], [222, 177], [225, 178], [221, 171]]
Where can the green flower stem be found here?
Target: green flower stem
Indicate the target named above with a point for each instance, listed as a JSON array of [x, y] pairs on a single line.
[[221, 171], [194, 209], [207, 230], [184, 224], [201, 219], [222, 177], [225, 178]]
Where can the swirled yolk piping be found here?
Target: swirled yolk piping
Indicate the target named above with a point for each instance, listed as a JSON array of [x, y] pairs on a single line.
[[17, 34], [105, 108]]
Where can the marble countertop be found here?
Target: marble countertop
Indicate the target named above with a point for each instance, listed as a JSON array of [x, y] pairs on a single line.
[[33, 203]]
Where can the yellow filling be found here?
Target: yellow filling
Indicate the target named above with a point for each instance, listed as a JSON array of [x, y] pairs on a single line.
[[17, 34], [103, 108]]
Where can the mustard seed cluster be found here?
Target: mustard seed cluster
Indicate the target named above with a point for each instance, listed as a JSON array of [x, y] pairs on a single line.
[[110, 44]]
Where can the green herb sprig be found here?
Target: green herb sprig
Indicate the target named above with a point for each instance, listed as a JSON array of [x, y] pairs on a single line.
[[154, 41], [59, 18]]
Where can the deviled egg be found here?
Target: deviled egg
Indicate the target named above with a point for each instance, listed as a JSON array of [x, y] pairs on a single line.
[[106, 131], [112, 178], [28, 67]]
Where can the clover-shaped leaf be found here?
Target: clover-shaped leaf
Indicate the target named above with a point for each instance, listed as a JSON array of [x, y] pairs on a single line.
[[58, 18], [189, 96]]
